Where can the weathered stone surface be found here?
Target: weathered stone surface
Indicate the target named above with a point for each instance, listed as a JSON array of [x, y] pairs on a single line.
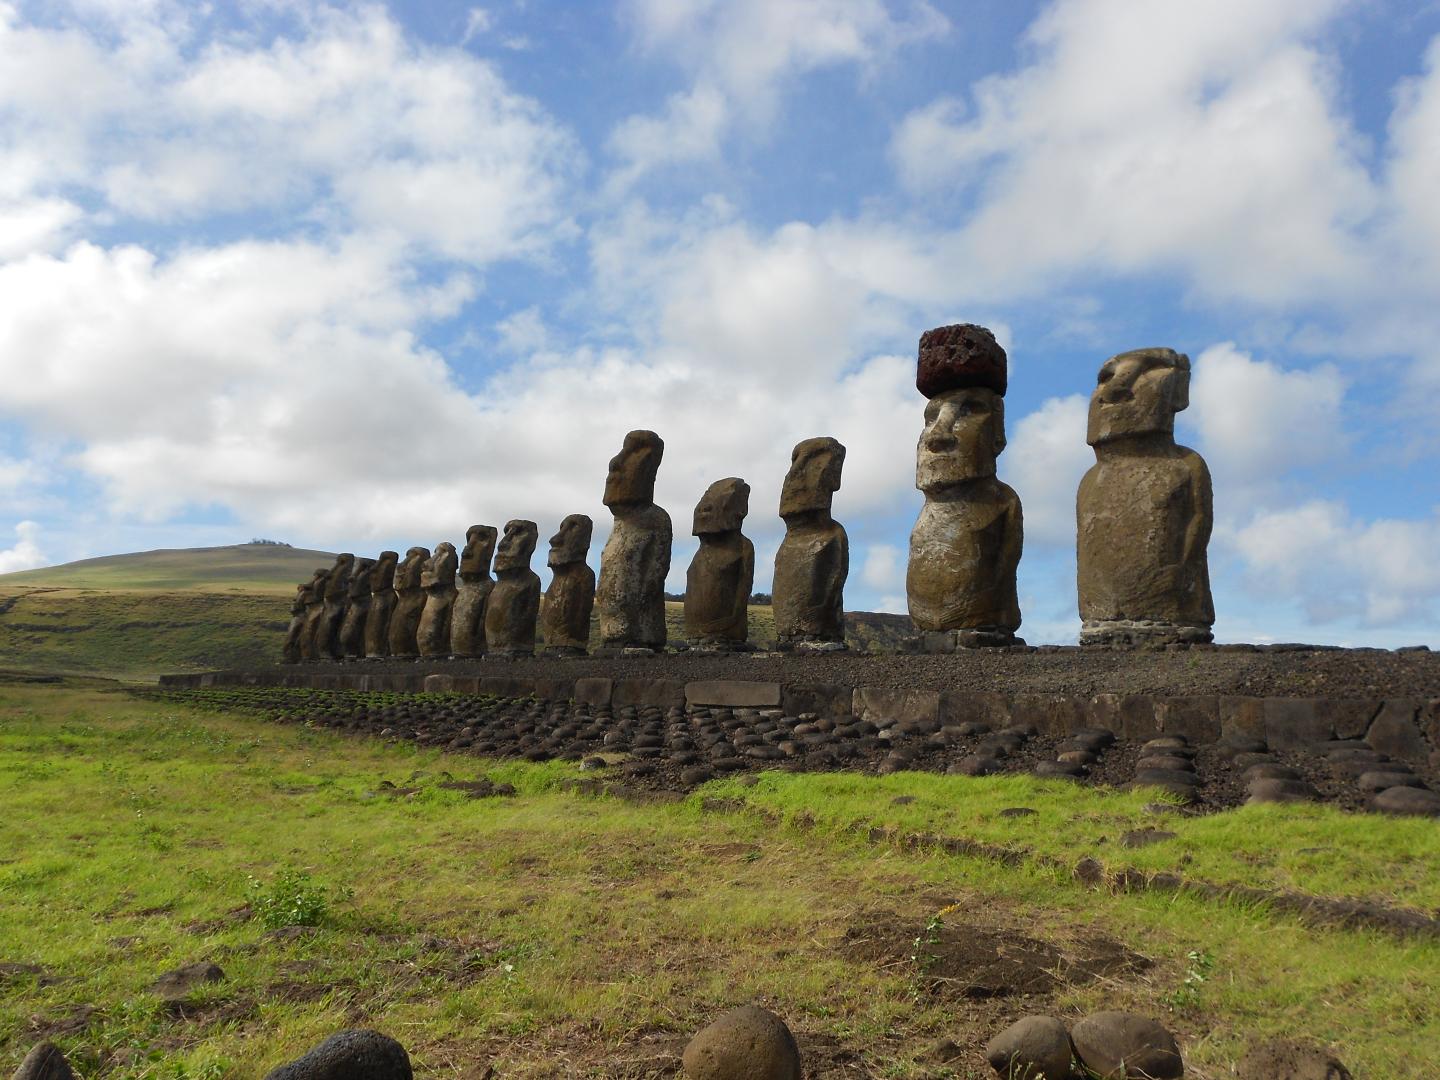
[[813, 561], [977, 707], [312, 633], [1408, 800], [1052, 714], [1281, 791], [630, 594], [875, 703], [1126, 1046], [748, 1043], [733, 694], [409, 604], [44, 1062], [1242, 717], [382, 605], [566, 606], [514, 604], [437, 578], [722, 573], [290, 653], [593, 691], [959, 357], [176, 985], [1032, 1048], [822, 699], [1291, 723], [467, 617], [966, 543], [357, 610], [507, 686], [356, 1054], [1396, 731], [1144, 510], [337, 588], [1283, 1059], [662, 693], [1196, 718]]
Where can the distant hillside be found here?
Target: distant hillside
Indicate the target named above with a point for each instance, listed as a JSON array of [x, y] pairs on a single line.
[[251, 568]]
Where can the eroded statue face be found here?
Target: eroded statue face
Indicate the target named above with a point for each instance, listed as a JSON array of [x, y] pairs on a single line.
[[723, 507], [317, 585], [1138, 393], [479, 547], [631, 479], [444, 561], [407, 575], [382, 574], [964, 434], [360, 578], [572, 542], [814, 476], [517, 545]]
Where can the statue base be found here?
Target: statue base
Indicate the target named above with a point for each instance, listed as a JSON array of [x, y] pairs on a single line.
[[561, 651], [717, 647], [1141, 633], [811, 647], [621, 651], [511, 653], [949, 641]]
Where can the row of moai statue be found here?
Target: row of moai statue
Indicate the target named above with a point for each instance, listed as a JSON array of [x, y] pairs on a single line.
[[1143, 526], [377, 608]]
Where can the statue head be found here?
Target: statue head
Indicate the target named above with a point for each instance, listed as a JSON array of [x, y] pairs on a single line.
[[1138, 393], [407, 574], [479, 547], [337, 585], [517, 545], [723, 507], [631, 479], [958, 357], [382, 574], [814, 476], [318, 581], [964, 434], [360, 579], [439, 569], [572, 542]]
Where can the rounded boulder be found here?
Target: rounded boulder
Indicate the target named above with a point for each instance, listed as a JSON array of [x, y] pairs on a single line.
[[1126, 1046], [748, 1043], [355, 1054], [1032, 1048], [44, 1062]]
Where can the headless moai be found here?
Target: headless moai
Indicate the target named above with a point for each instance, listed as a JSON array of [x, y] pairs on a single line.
[[409, 604], [514, 604], [337, 591], [808, 594], [437, 578], [382, 605], [310, 634], [467, 618], [357, 608], [631, 591], [1144, 510], [720, 577], [565, 609], [291, 651], [965, 546]]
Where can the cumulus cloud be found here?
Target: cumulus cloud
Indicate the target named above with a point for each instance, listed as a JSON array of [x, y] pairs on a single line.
[[26, 553], [1044, 461]]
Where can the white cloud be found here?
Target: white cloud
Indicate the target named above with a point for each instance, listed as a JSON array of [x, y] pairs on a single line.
[[884, 567], [26, 553], [1044, 461]]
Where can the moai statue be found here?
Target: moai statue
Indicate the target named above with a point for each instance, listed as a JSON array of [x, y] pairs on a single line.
[[718, 583], [409, 604], [631, 592], [814, 558], [965, 546], [382, 606], [437, 578], [337, 591], [357, 609], [311, 633], [467, 618], [296, 629], [514, 603], [1144, 510], [565, 608]]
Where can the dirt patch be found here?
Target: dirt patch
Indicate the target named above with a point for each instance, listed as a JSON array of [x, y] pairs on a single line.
[[78, 1019], [957, 959]]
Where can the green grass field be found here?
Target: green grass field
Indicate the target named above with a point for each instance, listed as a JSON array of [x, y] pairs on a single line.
[[250, 568], [554, 933]]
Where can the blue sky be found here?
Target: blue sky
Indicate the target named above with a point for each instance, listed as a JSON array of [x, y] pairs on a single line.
[[359, 276]]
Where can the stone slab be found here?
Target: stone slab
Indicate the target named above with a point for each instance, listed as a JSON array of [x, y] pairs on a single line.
[[823, 699], [593, 691], [1291, 723], [1396, 731], [877, 703], [1242, 717], [661, 693], [1052, 714], [1196, 718], [733, 694], [439, 684], [974, 707], [506, 686]]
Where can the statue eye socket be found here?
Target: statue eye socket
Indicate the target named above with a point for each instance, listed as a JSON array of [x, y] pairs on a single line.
[[1105, 374]]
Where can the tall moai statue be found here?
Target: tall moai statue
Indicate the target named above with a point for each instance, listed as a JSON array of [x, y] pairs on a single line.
[[357, 609], [636, 559], [409, 604], [296, 629], [966, 543], [1144, 510], [808, 594], [382, 605], [337, 591], [467, 618], [720, 577], [514, 604], [567, 603], [437, 578], [311, 635]]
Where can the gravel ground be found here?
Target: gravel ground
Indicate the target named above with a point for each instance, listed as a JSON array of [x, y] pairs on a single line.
[[1271, 671]]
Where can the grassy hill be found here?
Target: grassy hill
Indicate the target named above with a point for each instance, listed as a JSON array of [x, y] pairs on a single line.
[[254, 568]]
